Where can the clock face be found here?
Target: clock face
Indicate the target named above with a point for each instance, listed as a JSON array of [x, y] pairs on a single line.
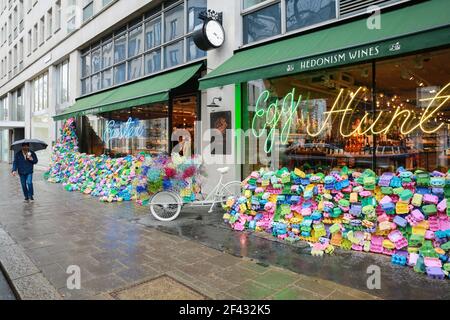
[[214, 32]]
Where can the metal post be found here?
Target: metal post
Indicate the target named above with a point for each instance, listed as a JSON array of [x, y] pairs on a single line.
[[374, 109]]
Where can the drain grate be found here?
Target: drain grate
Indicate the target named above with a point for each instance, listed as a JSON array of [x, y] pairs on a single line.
[[161, 288]]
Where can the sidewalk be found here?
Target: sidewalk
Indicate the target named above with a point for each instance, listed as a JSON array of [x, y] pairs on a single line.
[[117, 255]]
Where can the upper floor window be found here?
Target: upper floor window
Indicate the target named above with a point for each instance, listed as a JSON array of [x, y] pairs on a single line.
[[71, 15], [62, 83], [161, 38], [88, 11], [57, 15], [267, 18], [262, 24], [39, 92]]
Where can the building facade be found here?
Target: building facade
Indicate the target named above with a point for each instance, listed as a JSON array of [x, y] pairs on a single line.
[[131, 74]]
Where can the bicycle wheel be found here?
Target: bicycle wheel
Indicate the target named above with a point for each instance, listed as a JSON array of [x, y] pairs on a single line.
[[165, 206], [230, 189]]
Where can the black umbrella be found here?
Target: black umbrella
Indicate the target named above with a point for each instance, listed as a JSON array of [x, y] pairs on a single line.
[[35, 144]]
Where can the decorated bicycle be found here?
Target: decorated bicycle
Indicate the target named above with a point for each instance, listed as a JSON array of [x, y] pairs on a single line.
[[177, 181]]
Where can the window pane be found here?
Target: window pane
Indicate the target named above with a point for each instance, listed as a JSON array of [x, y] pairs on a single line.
[[64, 82], [120, 48], [304, 13], [134, 41], [86, 86], [96, 60], [154, 119], [153, 62], [174, 23], [88, 11], [96, 84], [173, 54], [134, 68], [119, 73], [262, 24], [406, 87], [85, 65], [152, 34], [107, 78], [45, 91], [194, 8], [250, 3], [107, 55], [193, 51]]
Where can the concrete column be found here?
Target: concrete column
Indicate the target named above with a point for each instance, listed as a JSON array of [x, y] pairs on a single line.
[[232, 25], [27, 93], [74, 76], [52, 88]]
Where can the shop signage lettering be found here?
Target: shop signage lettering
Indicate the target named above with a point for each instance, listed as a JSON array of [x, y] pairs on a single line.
[[339, 58], [280, 114], [123, 130]]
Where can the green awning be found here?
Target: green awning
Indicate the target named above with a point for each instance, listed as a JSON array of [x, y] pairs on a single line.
[[416, 27], [155, 89]]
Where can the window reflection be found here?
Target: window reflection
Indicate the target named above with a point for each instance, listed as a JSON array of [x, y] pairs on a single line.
[[134, 68], [134, 41], [193, 51], [173, 54], [262, 24], [120, 48], [194, 9], [153, 62], [303, 13], [107, 55], [119, 73], [174, 23], [153, 33]]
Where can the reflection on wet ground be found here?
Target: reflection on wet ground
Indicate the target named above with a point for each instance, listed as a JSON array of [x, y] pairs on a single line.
[[349, 268]]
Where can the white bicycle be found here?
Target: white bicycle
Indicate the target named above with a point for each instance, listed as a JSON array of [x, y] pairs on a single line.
[[166, 205]]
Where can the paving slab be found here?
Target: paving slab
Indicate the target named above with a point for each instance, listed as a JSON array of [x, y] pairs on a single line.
[[36, 287]]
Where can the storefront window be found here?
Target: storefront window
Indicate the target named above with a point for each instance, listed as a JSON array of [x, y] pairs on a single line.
[[406, 88], [90, 129], [262, 24], [154, 121], [183, 118], [128, 131], [326, 119]]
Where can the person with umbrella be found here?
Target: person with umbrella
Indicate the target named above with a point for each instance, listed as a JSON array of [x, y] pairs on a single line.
[[24, 160]]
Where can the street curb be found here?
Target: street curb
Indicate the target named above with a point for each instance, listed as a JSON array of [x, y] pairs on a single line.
[[25, 279]]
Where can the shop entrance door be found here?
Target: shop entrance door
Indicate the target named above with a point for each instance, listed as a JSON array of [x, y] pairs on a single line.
[[184, 116]]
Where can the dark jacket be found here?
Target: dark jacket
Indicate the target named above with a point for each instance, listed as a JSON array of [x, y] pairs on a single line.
[[22, 165]]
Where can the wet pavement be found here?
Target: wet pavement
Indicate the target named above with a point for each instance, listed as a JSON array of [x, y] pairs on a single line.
[[348, 268], [117, 245], [6, 292]]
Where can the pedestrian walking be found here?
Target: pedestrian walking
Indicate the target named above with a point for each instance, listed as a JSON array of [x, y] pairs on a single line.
[[24, 160]]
